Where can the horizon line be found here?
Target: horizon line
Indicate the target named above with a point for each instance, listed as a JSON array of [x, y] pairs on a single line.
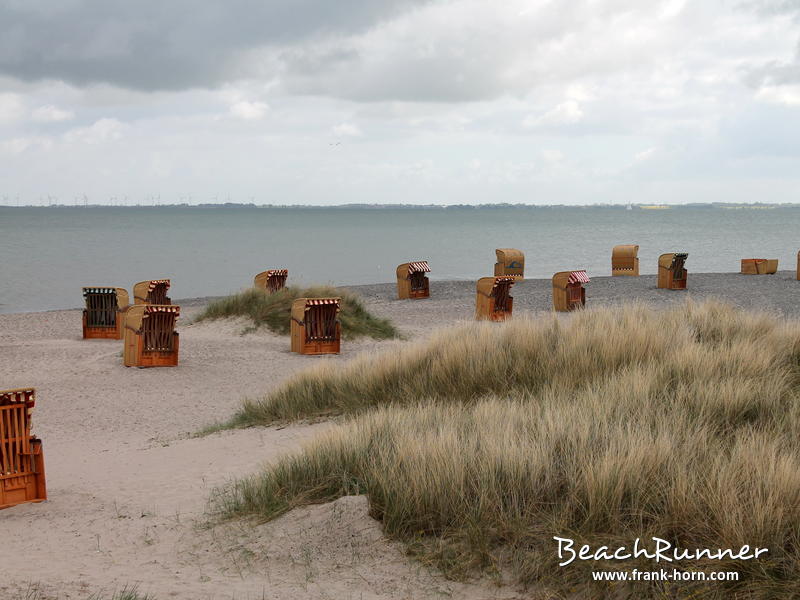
[[638, 205]]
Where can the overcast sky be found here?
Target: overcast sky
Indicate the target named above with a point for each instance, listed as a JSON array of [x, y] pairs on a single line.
[[411, 101]]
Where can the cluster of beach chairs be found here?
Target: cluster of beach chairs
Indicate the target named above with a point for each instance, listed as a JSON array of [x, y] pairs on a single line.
[[147, 328]]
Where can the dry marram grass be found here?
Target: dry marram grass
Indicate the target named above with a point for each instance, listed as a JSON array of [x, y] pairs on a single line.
[[274, 310], [486, 442]]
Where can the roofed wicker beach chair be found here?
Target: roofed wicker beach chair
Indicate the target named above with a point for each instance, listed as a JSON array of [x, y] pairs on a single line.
[[271, 281], [315, 326], [150, 336], [104, 315], [510, 261], [412, 281], [152, 291], [759, 266], [21, 458], [625, 260], [671, 273], [568, 290], [493, 301]]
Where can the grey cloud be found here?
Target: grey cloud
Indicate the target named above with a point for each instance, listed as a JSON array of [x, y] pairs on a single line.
[[152, 44]]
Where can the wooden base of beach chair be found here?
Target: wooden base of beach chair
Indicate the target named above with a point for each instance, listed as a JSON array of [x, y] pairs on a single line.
[[25, 488], [22, 477], [158, 358], [668, 282], [486, 312], [104, 333], [313, 348], [405, 291]]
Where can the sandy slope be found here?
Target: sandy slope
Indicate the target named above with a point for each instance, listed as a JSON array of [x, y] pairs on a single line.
[[128, 487]]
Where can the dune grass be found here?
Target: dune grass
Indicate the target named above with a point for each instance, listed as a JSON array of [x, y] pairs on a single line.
[[274, 311], [126, 593], [545, 355], [478, 447]]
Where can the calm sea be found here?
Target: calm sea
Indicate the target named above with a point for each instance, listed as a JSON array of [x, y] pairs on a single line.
[[47, 254]]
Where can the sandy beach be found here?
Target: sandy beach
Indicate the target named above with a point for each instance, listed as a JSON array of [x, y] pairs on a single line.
[[128, 483]]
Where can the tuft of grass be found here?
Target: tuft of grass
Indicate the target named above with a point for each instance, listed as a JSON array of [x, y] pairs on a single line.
[[126, 593], [620, 424], [274, 311]]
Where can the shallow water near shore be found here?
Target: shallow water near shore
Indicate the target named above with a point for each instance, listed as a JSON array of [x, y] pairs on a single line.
[[49, 253]]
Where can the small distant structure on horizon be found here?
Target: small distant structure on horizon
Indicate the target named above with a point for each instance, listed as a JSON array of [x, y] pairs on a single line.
[[412, 282], [671, 272]]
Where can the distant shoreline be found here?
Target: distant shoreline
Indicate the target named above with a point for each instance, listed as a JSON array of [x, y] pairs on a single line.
[[751, 292]]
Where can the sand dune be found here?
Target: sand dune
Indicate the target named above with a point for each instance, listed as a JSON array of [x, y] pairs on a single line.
[[128, 484]]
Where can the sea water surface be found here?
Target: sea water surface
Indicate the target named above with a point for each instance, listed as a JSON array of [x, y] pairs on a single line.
[[48, 253]]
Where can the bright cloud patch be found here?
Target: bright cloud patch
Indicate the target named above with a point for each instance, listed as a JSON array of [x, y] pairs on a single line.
[[249, 110], [347, 130], [51, 114]]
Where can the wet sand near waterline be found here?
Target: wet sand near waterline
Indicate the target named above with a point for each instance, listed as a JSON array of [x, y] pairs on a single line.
[[128, 484]]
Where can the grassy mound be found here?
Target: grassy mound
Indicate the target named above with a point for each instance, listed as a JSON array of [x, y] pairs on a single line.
[[623, 423], [274, 311], [737, 353]]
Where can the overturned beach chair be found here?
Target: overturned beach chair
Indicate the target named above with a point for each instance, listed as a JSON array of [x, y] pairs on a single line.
[[150, 336], [568, 291], [671, 272], [510, 262], [625, 260], [315, 326], [759, 266], [152, 291], [271, 281], [21, 458], [412, 281], [104, 315], [493, 301]]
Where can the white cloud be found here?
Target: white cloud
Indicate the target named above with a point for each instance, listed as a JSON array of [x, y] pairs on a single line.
[[644, 155], [51, 114], [347, 130], [713, 86], [552, 156], [788, 95], [99, 132], [566, 113], [12, 107], [249, 110]]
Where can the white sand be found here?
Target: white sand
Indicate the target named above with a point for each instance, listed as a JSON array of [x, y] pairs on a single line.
[[128, 487]]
